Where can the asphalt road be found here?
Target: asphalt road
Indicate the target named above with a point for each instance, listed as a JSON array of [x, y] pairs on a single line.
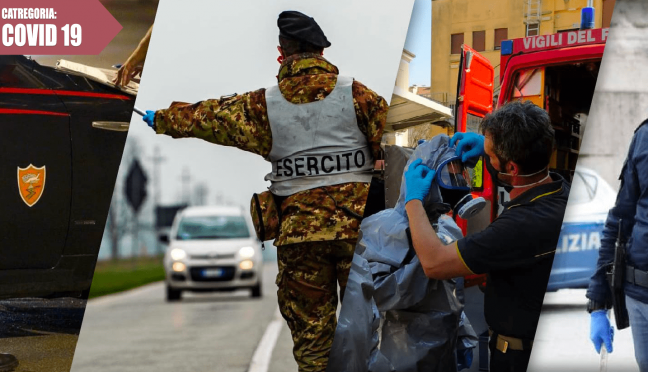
[[41, 333], [562, 339], [139, 331]]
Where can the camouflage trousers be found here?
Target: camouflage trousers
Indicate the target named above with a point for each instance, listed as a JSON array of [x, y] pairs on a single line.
[[307, 280]]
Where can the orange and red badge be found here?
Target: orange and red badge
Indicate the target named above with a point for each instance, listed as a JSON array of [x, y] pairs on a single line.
[[31, 183]]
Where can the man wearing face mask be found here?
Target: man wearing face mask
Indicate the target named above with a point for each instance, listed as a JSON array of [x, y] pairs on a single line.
[[321, 171], [516, 250]]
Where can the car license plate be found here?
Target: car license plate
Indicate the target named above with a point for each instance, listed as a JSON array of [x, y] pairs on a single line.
[[212, 273]]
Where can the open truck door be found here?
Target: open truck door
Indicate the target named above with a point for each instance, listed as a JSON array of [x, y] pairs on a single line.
[[474, 100]]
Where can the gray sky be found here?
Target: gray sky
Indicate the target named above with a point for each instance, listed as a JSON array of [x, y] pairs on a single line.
[[215, 48]]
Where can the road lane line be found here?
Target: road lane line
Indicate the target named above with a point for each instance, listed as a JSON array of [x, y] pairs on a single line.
[[263, 353]]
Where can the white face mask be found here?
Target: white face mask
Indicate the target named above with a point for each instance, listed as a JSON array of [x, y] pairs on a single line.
[[508, 187], [526, 175]]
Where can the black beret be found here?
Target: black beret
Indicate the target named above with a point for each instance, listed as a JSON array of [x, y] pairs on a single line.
[[299, 26]]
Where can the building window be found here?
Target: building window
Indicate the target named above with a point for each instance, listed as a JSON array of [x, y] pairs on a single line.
[[456, 40], [501, 34], [479, 40]]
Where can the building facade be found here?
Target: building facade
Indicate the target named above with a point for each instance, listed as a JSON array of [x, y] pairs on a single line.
[[483, 25]]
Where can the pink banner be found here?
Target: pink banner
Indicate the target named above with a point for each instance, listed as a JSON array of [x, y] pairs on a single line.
[[55, 27]]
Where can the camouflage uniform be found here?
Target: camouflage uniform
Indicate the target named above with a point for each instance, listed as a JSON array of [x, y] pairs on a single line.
[[316, 240]]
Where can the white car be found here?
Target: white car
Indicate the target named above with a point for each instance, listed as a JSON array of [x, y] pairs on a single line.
[[212, 249], [590, 199]]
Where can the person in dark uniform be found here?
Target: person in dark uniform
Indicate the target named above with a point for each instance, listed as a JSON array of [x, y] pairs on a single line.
[[516, 250], [632, 207]]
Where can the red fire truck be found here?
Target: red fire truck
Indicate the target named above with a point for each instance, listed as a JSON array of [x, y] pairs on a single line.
[[557, 72]]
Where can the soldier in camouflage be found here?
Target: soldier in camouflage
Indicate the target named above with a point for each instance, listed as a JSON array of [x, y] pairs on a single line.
[[319, 226]]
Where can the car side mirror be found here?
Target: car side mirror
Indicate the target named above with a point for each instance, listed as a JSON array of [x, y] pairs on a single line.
[[163, 238]]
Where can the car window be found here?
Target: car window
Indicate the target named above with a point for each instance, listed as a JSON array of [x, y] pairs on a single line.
[[17, 75], [583, 188], [212, 227]]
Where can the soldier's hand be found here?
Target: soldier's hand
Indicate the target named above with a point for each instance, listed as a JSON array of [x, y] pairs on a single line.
[[601, 331], [470, 146], [149, 118], [418, 180]]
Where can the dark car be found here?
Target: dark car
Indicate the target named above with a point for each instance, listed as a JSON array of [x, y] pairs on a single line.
[[57, 173]]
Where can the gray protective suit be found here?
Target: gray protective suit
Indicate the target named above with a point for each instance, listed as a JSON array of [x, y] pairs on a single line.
[[394, 318]]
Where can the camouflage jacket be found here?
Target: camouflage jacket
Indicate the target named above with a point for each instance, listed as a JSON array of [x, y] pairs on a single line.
[[242, 121]]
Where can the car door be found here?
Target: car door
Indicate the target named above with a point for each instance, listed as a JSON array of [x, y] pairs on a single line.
[[35, 169], [475, 100], [580, 238]]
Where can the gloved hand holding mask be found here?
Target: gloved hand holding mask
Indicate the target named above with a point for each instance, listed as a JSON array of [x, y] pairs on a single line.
[[440, 179], [418, 180], [470, 146]]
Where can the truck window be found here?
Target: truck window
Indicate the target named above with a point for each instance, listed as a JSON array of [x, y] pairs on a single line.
[[529, 86]]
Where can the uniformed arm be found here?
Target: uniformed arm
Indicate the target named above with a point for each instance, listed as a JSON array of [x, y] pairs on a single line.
[[240, 121], [633, 183], [371, 113], [439, 261]]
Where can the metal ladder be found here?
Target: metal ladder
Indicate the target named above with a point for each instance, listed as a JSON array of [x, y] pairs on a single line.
[[533, 14]]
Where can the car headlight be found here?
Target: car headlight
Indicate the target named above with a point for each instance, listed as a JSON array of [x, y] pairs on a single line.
[[178, 266], [246, 252], [178, 254]]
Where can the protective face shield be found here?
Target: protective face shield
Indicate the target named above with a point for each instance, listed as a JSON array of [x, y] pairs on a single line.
[[455, 182]]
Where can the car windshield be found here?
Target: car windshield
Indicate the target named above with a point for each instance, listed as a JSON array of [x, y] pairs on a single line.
[[212, 227]]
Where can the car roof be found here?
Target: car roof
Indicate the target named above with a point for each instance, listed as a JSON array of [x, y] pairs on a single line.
[[586, 170], [213, 211]]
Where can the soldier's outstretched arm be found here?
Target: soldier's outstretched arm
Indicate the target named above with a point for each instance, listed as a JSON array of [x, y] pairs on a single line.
[[240, 121]]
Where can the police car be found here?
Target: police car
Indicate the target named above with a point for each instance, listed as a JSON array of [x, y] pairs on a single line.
[[60, 156], [577, 252], [211, 249]]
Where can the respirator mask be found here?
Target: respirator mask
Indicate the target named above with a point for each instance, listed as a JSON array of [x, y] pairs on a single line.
[[454, 183]]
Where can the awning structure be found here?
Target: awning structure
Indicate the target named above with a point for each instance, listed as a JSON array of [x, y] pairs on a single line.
[[408, 109]]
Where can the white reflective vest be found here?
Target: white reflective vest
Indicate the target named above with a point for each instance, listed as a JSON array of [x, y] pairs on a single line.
[[318, 143]]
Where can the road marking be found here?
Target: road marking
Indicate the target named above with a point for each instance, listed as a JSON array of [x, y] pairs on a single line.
[[263, 353]]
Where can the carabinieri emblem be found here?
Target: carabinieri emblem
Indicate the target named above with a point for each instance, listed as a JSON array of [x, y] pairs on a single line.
[[31, 183]]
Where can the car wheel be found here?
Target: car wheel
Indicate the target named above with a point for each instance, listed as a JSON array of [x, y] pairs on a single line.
[[173, 294], [256, 291]]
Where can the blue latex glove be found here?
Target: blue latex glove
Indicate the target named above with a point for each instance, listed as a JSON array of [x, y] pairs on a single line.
[[418, 180], [149, 118], [601, 331], [470, 147]]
